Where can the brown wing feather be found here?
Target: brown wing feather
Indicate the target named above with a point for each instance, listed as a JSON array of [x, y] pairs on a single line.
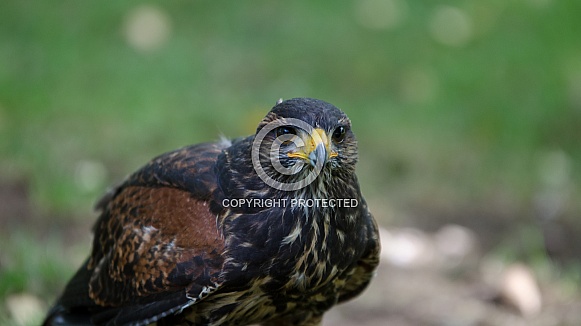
[[156, 249], [151, 240]]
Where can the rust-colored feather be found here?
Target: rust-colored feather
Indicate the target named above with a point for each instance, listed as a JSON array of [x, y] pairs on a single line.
[[153, 240]]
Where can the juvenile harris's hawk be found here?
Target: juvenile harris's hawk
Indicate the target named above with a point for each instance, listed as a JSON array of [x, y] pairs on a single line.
[[269, 229]]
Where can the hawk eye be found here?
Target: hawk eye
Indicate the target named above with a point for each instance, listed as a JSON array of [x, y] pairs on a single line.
[[339, 134], [285, 130]]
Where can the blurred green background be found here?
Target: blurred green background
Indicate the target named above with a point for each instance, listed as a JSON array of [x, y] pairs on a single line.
[[467, 112]]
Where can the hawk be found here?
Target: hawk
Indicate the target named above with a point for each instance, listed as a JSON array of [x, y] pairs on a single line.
[[270, 229]]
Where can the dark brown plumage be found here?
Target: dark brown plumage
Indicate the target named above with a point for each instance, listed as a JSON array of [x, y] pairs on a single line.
[[169, 249]]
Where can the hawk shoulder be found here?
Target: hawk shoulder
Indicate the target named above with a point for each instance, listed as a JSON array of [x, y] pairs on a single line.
[[156, 248]]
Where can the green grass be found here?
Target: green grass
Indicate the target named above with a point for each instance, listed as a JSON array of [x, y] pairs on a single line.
[[451, 124]]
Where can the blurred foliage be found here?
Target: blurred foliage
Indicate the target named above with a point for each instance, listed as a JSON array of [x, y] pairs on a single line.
[[476, 113], [455, 103]]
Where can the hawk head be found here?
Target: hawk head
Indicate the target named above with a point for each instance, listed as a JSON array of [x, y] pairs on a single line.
[[304, 146], [302, 139]]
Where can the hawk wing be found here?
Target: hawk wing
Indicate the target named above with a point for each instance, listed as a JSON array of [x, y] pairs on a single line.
[[157, 249]]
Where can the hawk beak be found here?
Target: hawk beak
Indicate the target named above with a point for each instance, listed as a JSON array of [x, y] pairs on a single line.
[[318, 155], [316, 150]]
